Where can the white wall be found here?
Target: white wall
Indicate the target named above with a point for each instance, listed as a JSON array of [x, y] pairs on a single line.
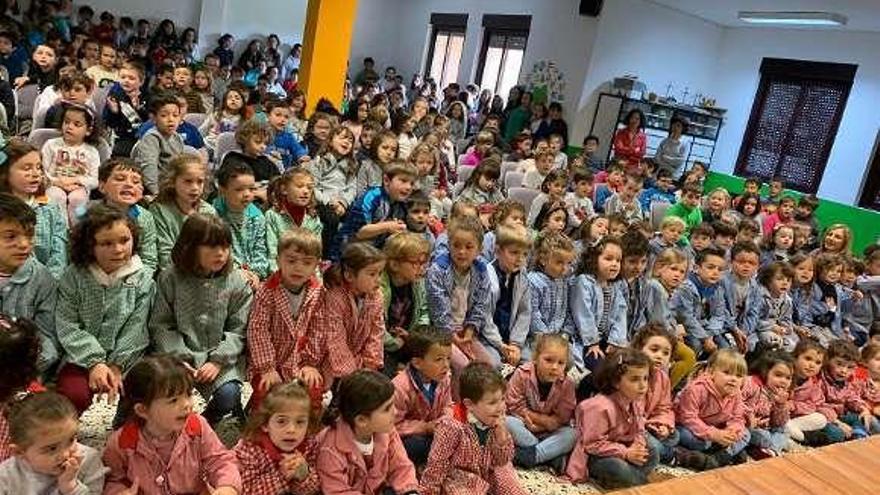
[[184, 13], [396, 32], [249, 19], [737, 80], [373, 37], [660, 45]]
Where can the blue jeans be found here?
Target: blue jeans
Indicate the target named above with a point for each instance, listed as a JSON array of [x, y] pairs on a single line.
[[225, 400], [547, 447], [697, 344], [828, 435], [417, 447], [774, 439], [666, 447], [582, 362], [614, 472], [858, 427], [688, 440]]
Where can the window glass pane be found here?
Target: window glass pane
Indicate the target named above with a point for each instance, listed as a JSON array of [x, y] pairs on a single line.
[[439, 54], [453, 60], [510, 72], [491, 69]]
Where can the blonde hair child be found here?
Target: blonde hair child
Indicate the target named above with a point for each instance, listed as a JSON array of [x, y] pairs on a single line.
[[711, 415]]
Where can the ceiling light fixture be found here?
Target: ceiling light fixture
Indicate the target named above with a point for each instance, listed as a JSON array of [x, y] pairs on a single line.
[[793, 18]]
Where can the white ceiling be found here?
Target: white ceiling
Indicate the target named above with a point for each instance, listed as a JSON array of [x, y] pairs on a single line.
[[863, 15]]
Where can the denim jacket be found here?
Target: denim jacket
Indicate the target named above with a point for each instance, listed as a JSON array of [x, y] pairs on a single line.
[[657, 306], [550, 309], [747, 319], [819, 308], [802, 301], [636, 296], [702, 317], [520, 310], [587, 308], [771, 313], [440, 281]]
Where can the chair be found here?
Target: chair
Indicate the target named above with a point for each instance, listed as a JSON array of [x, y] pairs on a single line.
[[464, 174], [523, 195], [457, 189], [225, 143], [508, 167], [195, 119], [25, 97], [513, 179], [99, 100], [104, 150], [38, 137], [658, 211]]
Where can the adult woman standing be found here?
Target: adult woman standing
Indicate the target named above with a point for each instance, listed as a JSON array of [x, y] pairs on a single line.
[[672, 152], [630, 142]]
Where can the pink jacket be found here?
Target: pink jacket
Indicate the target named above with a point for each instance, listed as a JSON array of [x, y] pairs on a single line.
[[658, 401], [630, 148], [275, 337], [413, 410], [343, 470], [702, 410], [197, 458], [842, 397], [459, 465], [868, 391], [352, 338], [770, 223], [471, 158], [809, 397], [523, 395], [761, 406], [607, 425], [258, 461]]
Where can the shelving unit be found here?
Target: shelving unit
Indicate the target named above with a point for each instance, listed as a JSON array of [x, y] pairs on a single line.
[[701, 137]]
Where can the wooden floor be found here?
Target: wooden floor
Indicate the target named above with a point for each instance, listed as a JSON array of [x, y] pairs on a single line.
[[851, 468]]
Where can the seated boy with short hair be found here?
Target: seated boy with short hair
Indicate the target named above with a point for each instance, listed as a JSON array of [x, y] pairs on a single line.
[[509, 313], [155, 149], [699, 303], [378, 211]]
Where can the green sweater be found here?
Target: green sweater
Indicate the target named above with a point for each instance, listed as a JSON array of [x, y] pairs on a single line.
[[30, 293], [420, 308], [248, 229], [691, 216], [203, 319], [169, 220], [104, 321], [50, 236]]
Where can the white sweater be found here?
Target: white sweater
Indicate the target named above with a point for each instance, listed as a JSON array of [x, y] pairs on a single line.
[[17, 477], [81, 161]]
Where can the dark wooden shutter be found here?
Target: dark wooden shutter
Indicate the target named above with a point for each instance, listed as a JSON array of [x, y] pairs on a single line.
[[794, 121]]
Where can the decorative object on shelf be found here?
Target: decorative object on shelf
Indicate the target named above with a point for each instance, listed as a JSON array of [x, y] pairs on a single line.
[[546, 82], [629, 86]]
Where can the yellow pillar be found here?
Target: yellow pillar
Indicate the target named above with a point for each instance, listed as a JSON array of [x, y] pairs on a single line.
[[326, 46]]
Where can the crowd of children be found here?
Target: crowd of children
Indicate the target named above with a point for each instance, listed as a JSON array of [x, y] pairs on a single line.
[[459, 326]]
